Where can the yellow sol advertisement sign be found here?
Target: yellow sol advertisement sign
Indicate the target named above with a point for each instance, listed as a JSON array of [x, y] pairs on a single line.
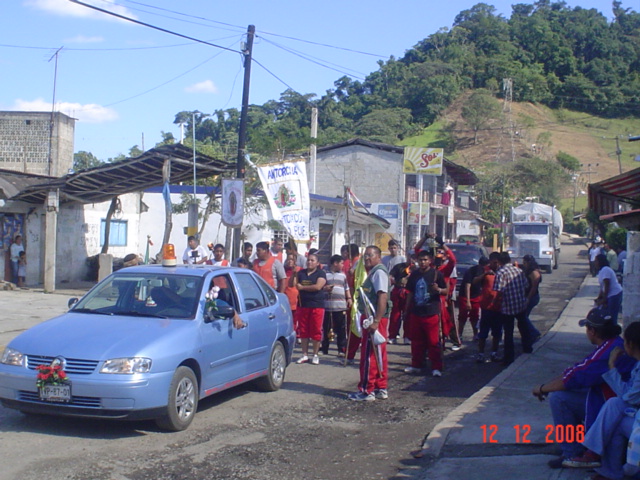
[[423, 161]]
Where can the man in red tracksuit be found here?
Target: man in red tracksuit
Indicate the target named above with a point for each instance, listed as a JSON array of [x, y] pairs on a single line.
[[445, 262], [373, 356], [426, 287], [399, 275]]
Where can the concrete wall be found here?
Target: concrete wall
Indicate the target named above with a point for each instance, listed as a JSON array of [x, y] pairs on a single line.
[[373, 175], [24, 142], [631, 280]]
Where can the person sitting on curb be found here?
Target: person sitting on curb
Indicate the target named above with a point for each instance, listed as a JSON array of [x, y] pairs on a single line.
[[607, 438], [578, 394]]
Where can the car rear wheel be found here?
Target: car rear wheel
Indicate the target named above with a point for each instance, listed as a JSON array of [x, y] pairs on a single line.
[[183, 401], [276, 370]]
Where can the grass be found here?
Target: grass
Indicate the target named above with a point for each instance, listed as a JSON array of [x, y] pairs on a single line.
[[605, 130]]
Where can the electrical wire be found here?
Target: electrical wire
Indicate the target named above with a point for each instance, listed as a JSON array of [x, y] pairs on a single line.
[[167, 82], [133, 20], [264, 33], [274, 75], [318, 61], [174, 18], [113, 49]]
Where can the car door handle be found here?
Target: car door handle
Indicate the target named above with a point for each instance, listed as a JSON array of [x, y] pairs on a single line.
[[272, 316]]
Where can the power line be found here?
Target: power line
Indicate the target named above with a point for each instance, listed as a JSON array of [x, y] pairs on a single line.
[[129, 19], [113, 48], [172, 18], [185, 14], [164, 83], [274, 75], [317, 61], [264, 33]]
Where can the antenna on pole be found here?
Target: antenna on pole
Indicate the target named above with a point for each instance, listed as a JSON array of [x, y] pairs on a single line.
[[247, 51], [314, 136], [53, 109]]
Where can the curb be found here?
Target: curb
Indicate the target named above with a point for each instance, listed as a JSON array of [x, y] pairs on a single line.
[[437, 438]]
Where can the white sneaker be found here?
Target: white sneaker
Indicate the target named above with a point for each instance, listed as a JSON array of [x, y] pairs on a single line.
[[455, 348], [302, 359], [381, 394], [436, 373], [412, 370], [315, 360]]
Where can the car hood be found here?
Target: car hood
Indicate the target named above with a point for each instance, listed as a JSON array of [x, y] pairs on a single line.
[[99, 337]]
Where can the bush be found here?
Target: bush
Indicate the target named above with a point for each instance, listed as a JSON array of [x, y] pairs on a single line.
[[617, 238], [488, 236], [579, 227]]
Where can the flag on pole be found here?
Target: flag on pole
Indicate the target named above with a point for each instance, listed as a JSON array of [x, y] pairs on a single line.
[[359, 276], [286, 188], [146, 255]]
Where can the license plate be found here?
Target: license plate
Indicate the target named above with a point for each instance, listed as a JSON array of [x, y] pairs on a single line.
[[55, 393]]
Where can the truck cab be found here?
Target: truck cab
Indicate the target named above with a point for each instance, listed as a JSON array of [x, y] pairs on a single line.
[[536, 239]]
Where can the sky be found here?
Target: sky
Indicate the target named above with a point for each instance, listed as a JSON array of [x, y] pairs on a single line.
[[124, 82]]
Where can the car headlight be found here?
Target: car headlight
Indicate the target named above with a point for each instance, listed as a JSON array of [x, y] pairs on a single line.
[[127, 365], [13, 357]]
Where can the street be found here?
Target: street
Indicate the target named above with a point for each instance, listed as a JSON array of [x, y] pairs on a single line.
[[307, 430]]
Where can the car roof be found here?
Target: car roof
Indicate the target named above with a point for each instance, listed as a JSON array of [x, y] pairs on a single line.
[[193, 270], [464, 245]]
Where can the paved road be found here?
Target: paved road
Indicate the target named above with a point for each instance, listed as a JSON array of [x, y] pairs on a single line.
[[307, 430]]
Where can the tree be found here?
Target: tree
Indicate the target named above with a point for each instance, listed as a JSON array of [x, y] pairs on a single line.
[[83, 160], [568, 162], [480, 110]]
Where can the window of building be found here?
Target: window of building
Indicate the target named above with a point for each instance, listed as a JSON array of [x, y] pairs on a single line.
[[117, 233], [281, 235], [356, 237]]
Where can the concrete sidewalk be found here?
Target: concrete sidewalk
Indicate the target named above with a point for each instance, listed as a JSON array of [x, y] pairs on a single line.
[[502, 431]]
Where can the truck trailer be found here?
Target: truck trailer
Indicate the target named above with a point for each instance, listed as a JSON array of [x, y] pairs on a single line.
[[535, 230]]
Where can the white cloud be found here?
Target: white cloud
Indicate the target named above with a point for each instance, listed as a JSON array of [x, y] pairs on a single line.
[[83, 39], [66, 8], [90, 113], [202, 87]]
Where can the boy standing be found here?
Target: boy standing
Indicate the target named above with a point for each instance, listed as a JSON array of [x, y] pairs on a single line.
[[336, 304]]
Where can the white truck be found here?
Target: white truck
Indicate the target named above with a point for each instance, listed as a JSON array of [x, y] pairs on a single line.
[[535, 229]]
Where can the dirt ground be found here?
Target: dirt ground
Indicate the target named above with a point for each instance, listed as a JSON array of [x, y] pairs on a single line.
[[308, 430]]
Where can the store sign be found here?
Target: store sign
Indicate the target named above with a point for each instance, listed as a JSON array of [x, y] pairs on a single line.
[[423, 161]]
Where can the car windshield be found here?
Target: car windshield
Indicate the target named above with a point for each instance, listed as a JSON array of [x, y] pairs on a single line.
[[540, 229], [467, 255], [144, 295]]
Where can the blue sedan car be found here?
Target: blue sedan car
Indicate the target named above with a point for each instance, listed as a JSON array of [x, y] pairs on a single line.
[[150, 342]]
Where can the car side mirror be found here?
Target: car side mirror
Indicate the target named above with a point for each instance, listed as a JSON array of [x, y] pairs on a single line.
[[222, 311], [72, 302]]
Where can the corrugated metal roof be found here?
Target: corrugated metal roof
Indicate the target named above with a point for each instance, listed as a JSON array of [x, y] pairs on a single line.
[[462, 175], [605, 196], [100, 184]]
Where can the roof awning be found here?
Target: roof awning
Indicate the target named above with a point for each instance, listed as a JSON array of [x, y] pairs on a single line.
[[100, 184], [629, 220], [605, 196]]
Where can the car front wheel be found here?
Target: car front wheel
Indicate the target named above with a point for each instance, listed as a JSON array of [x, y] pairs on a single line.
[[276, 369], [183, 401]]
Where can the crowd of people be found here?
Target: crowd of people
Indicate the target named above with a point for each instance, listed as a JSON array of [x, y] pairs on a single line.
[[411, 300], [366, 303]]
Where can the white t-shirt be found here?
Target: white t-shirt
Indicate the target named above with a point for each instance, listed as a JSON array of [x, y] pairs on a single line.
[[193, 256], [15, 251], [593, 253], [390, 261], [614, 286]]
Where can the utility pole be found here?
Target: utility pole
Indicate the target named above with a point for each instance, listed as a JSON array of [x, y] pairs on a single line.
[[53, 109], [618, 153], [242, 134]]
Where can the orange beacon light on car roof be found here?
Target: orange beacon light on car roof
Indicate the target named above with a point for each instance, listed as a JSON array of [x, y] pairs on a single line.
[[169, 255]]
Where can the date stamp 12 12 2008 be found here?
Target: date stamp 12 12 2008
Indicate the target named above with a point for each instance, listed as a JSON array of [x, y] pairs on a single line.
[[521, 433]]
